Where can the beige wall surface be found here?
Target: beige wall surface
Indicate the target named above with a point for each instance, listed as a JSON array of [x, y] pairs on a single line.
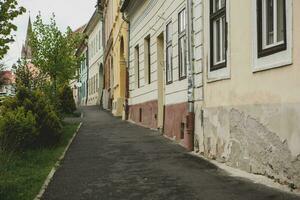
[[251, 119], [95, 60], [120, 35], [280, 85]]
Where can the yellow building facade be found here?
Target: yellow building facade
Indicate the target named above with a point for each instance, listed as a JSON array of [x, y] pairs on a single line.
[[116, 56]]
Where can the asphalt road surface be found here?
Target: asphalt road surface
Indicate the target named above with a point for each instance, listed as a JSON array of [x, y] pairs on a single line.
[[113, 160]]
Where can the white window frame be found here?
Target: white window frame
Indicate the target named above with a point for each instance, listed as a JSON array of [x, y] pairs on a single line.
[[279, 59], [169, 45], [264, 26], [223, 60], [137, 66], [182, 48], [223, 73]]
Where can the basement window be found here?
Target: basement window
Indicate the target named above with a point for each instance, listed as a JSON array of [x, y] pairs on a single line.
[[141, 115]]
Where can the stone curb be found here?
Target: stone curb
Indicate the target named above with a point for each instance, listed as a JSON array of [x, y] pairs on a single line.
[[56, 166]]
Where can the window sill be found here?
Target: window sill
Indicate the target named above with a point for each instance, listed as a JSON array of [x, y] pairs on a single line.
[[169, 83], [218, 75], [221, 78], [182, 78], [277, 60], [272, 66]]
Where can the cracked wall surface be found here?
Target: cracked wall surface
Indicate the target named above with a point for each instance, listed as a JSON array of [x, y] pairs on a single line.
[[260, 139]]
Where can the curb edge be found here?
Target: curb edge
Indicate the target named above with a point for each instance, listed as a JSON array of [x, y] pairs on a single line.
[[56, 166]]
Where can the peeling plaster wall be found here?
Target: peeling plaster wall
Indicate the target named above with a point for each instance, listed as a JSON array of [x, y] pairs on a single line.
[[260, 139], [251, 119]]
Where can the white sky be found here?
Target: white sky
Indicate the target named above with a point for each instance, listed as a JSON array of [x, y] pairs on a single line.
[[73, 13]]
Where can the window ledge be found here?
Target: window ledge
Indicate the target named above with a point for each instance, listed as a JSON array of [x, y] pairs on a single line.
[[221, 78], [218, 75], [272, 66]]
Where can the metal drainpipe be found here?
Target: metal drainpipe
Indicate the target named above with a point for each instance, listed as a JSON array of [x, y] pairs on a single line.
[[190, 119], [127, 68], [87, 74]]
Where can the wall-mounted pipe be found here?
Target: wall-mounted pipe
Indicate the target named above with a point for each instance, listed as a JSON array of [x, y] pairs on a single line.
[[126, 106], [190, 120]]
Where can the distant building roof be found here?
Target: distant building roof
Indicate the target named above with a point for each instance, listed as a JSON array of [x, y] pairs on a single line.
[[7, 77]]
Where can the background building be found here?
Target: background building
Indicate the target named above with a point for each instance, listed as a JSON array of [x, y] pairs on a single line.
[[83, 89], [163, 65], [93, 31], [8, 83], [116, 48], [91, 68]]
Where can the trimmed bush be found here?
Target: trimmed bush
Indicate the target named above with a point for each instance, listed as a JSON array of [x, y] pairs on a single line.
[[17, 129], [66, 100], [47, 123]]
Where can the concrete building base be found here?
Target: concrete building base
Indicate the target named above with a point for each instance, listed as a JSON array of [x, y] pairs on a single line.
[[260, 139]]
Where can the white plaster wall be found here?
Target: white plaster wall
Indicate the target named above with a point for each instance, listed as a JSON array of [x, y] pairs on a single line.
[[151, 18], [95, 60]]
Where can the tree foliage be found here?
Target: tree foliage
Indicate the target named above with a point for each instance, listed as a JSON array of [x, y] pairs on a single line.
[[53, 51], [28, 77], [66, 99], [9, 10], [29, 119]]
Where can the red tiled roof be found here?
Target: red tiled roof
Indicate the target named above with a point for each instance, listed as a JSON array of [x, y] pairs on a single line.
[[8, 77]]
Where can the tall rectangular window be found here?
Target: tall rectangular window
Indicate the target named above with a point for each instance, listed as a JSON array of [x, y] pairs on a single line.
[[97, 43], [97, 82], [147, 57], [100, 40], [169, 54], [94, 46], [218, 29], [271, 17], [182, 44], [94, 84], [137, 65]]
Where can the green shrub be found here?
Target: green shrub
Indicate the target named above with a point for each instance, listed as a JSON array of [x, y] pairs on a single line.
[[66, 99], [17, 129], [47, 123]]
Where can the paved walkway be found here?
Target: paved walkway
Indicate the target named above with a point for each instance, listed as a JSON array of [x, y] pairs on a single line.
[[112, 159]]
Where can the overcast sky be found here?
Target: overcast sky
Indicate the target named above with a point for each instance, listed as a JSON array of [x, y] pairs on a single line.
[[73, 13]]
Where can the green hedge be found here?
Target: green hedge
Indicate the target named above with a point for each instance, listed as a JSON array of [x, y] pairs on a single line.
[[29, 120]]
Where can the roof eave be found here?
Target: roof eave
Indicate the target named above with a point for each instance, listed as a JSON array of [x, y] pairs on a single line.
[[124, 5]]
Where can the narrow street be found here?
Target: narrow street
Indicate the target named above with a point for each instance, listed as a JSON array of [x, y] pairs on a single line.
[[113, 159]]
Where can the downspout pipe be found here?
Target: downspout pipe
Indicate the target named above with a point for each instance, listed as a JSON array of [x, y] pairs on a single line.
[[87, 72], [127, 69], [190, 119]]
